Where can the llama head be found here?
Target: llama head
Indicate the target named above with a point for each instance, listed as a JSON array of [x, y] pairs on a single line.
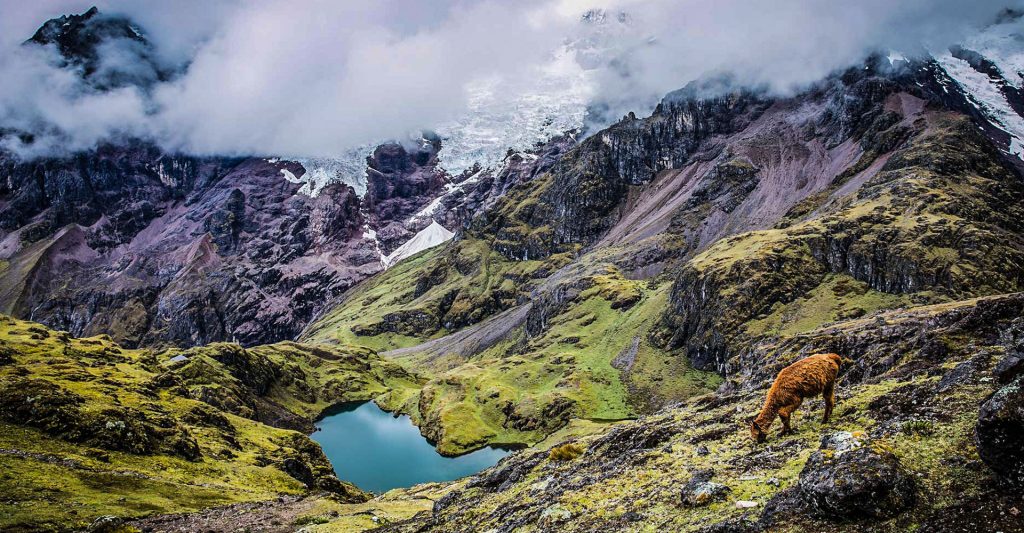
[[756, 432]]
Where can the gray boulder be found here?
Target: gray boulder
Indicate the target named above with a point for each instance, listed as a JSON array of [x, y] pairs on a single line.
[[700, 490], [848, 478]]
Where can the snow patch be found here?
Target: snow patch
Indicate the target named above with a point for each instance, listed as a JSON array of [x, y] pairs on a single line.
[[449, 189], [371, 234], [986, 95], [517, 114], [349, 168], [429, 237], [1003, 45]]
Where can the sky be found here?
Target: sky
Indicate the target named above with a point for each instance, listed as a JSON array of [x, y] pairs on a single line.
[[317, 77]]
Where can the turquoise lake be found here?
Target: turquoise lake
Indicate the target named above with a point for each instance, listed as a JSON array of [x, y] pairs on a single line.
[[378, 452]]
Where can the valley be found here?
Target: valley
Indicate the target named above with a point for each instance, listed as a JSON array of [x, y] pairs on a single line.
[[578, 335]]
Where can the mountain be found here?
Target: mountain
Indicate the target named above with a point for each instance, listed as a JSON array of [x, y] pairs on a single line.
[[617, 303], [875, 215]]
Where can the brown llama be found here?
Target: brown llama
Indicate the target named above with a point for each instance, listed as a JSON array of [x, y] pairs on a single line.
[[805, 378]]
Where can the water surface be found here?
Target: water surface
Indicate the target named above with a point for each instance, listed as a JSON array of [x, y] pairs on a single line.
[[378, 452]]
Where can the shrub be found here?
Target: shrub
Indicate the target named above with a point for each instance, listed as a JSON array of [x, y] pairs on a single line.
[[565, 452], [918, 427]]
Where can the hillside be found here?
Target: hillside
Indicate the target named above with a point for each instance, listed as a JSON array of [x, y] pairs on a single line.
[[92, 429], [608, 305]]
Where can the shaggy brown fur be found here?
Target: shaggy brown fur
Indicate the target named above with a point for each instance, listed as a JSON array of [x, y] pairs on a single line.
[[805, 378]]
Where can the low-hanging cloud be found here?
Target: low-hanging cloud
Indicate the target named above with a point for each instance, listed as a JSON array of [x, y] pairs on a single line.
[[318, 77]]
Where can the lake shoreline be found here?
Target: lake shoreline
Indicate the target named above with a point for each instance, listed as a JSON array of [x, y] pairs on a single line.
[[378, 450]]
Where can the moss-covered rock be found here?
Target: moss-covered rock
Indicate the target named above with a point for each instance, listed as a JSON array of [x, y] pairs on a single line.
[[844, 482], [1000, 431]]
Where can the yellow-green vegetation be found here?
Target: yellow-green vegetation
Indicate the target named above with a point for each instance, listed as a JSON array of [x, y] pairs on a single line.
[[839, 297], [429, 295], [300, 379], [394, 506], [88, 428], [566, 452], [593, 361], [633, 472], [577, 427]]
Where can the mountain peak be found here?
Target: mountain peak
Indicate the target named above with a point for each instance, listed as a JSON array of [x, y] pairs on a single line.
[[109, 49]]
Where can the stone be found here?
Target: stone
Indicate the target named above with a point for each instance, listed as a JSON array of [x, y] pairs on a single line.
[[1009, 367], [851, 478], [700, 490], [106, 524], [555, 514]]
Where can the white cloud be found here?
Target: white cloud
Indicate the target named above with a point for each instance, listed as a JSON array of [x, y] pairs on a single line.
[[317, 77]]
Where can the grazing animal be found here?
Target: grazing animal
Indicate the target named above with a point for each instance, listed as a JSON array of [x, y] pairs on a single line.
[[805, 378]]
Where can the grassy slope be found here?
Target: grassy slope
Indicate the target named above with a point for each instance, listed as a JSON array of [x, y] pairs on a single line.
[[461, 283], [637, 488], [515, 392], [570, 360], [65, 464]]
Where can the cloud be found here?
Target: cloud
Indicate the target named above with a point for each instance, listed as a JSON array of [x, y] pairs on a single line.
[[317, 77]]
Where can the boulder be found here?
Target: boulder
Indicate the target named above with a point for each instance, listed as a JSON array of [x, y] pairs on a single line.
[[1000, 431], [700, 490], [107, 524], [1009, 367], [851, 478]]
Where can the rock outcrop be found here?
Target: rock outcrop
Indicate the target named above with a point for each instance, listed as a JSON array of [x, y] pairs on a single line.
[[1000, 431], [851, 479]]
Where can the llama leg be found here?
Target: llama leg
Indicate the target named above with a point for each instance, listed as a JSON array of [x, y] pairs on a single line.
[[830, 401], [786, 413], [784, 416]]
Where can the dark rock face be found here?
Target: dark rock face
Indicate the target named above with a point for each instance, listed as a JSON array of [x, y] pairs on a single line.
[[400, 181], [776, 269], [853, 483], [1000, 432], [483, 189], [505, 474], [175, 250], [582, 197], [1012, 365], [79, 39]]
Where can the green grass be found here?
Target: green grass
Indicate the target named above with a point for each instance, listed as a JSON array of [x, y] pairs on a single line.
[[454, 285], [471, 404], [67, 463], [838, 297]]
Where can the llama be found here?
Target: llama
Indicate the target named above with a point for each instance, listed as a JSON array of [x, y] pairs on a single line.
[[805, 378]]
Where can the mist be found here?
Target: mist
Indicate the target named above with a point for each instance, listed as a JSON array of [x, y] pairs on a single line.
[[317, 78]]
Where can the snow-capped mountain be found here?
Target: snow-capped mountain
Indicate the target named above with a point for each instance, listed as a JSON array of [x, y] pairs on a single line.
[[505, 114]]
